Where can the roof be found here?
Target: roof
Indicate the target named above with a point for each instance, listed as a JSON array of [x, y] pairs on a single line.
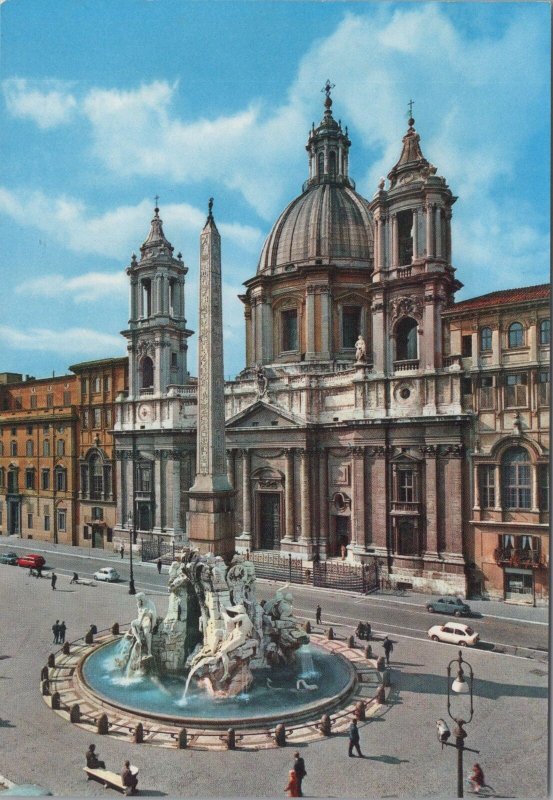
[[101, 362], [523, 294]]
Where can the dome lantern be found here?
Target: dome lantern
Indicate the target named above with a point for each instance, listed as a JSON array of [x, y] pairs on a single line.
[[328, 146]]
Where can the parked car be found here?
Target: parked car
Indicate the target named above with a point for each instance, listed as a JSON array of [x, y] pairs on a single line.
[[454, 632], [107, 574], [450, 605], [31, 560], [8, 558]]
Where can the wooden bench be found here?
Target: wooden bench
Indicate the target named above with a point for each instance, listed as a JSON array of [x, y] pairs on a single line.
[[109, 778]]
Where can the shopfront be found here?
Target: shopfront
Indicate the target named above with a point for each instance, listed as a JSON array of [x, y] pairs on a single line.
[[519, 585]]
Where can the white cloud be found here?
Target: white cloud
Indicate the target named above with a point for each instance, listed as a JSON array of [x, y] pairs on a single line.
[[71, 341], [84, 288], [48, 103]]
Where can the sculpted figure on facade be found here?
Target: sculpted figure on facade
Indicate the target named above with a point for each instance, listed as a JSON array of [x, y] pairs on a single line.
[[360, 349]]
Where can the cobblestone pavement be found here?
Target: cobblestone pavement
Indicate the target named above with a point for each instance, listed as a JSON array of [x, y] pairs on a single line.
[[403, 757]]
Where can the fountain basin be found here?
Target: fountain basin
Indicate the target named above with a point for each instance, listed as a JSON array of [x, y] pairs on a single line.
[[161, 697]]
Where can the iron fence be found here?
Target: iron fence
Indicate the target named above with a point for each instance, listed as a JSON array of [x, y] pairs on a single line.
[[157, 547], [351, 577], [274, 566]]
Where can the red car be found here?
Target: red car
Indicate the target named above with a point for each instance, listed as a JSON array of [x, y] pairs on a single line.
[[32, 560]]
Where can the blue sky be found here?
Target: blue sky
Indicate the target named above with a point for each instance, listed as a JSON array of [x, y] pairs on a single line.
[[106, 103]]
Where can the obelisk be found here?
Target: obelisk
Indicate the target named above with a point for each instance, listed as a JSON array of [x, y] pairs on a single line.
[[211, 515]]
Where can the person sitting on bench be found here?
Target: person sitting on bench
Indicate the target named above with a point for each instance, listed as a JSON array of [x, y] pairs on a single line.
[[75, 578], [129, 779], [92, 760]]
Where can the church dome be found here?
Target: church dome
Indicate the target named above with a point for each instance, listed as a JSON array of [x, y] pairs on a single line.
[[329, 221]]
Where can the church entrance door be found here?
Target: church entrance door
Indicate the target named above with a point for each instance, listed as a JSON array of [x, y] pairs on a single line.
[[269, 520], [342, 535]]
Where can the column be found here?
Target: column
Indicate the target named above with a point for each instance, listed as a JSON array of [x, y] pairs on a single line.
[[448, 236], [289, 495], [476, 485], [358, 526], [158, 500], [453, 512], [496, 345], [230, 467], [429, 231], [395, 242], [427, 349], [497, 485], [133, 311], [266, 331], [382, 244], [323, 502], [378, 337], [431, 499], [246, 497], [535, 488], [305, 493], [379, 500], [415, 230], [177, 522], [325, 321], [248, 318], [438, 230], [310, 322], [258, 330]]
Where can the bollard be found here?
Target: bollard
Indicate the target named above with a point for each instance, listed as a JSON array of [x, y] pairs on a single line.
[[280, 735], [330, 634], [44, 674], [231, 739], [386, 678], [307, 627], [45, 688], [75, 713], [51, 660], [182, 740], [360, 711], [89, 637], [325, 725], [65, 649], [138, 735], [56, 701], [381, 663], [115, 629], [351, 641], [381, 696], [102, 725], [368, 651]]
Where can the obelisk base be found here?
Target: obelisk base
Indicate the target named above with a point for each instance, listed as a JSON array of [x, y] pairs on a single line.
[[210, 522]]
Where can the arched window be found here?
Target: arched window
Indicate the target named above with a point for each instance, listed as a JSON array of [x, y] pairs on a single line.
[[516, 478], [147, 373], [332, 162], [486, 339], [406, 340], [29, 448], [516, 335], [545, 331], [13, 448], [320, 165], [96, 473]]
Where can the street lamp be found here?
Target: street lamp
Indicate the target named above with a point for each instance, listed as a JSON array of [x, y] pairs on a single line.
[[460, 685], [132, 589]]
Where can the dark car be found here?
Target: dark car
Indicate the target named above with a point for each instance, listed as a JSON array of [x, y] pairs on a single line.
[[8, 558], [32, 560], [450, 605]]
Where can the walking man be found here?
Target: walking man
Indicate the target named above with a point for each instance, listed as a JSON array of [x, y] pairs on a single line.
[[63, 628], [56, 631], [353, 734], [122, 550], [318, 613], [299, 769], [159, 566], [388, 648], [53, 580]]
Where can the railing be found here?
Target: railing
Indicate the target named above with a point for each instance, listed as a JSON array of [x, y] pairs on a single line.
[[404, 272], [149, 390], [274, 566], [449, 361], [517, 557], [408, 364], [351, 577], [400, 507]]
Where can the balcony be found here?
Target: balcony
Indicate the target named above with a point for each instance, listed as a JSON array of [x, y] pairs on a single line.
[[407, 365], [399, 507], [515, 557], [404, 272]]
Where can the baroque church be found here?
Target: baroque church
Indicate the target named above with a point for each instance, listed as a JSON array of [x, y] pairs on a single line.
[[354, 431]]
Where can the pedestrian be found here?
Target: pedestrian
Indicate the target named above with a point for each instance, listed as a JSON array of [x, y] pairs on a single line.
[[353, 733], [129, 779], [318, 613], [75, 578], [292, 788], [159, 566], [56, 631], [53, 580], [63, 628], [299, 769], [93, 629], [122, 550], [92, 760], [476, 778], [388, 648]]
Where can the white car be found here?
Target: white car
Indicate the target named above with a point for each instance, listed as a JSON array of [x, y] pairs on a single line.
[[454, 632], [107, 574]]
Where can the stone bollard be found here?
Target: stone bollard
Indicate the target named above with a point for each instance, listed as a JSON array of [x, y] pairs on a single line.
[[280, 735], [45, 688], [386, 678], [351, 641], [325, 725], [360, 711], [75, 713], [307, 627], [56, 701], [182, 739], [330, 634], [381, 696], [138, 734], [89, 637], [231, 739], [51, 660], [115, 629], [44, 674], [65, 649], [102, 725], [381, 663], [368, 651]]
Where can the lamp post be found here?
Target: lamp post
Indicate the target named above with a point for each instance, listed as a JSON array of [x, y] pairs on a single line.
[[130, 522], [460, 685]]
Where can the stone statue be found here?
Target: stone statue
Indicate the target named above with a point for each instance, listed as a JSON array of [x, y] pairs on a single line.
[[360, 349], [262, 382], [143, 625]]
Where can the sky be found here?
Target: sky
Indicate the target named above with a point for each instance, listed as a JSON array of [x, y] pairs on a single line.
[[105, 104]]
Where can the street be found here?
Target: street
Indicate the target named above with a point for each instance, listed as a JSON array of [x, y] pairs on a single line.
[[404, 758]]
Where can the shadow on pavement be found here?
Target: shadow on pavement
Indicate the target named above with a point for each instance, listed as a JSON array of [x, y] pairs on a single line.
[[424, 683], [150, 793], [388, 759], [4, 723]]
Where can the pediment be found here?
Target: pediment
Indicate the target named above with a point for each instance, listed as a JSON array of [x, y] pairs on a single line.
[[264, 415]]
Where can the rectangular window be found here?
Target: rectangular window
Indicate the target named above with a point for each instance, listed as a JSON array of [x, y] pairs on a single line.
[[97, 512], [29, 479], [85, 419], [46, 447], [84, 387], [61, 480], [486, 392], [466, 385], [543, 486], [86, 532], [108, 417], [14, 431], [97, 417], [543, 388], [486, 476], [47, 522], [60, 447], [144, 479], [29, 521], [29, 448], [50, 400], [45, 480], [33, 401], [13, 448], [96, 385], [351, 322], [405, 238], [61, 519], [67, 398], [18, 403], [106, 383], [46, 427], [2, 473], [466, 346], [545, 331], [174, 363], [516, 390], [406, 486], [29, 428], [290, 329]]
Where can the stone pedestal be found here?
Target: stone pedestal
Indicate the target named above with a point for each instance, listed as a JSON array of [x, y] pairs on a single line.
[[211, 522]]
